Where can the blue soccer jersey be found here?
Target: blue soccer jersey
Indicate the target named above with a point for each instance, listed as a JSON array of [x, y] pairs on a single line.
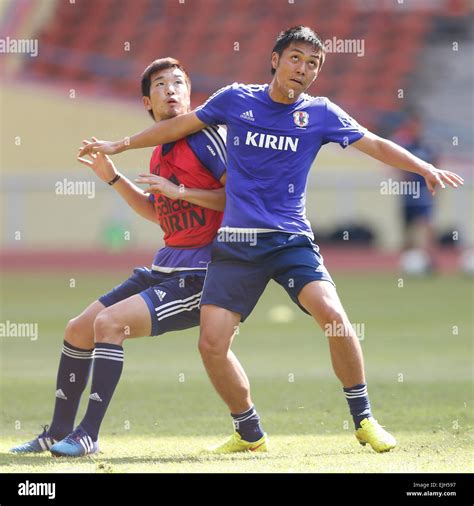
[[270, 149]]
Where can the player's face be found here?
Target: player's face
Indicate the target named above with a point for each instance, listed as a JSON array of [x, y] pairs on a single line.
[[169, 94], [296, 68]]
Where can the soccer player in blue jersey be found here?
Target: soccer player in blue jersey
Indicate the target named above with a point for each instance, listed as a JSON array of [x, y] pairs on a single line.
[[185, 197], [274, 133]]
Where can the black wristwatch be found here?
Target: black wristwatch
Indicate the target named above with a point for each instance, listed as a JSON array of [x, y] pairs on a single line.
[[114, 180]]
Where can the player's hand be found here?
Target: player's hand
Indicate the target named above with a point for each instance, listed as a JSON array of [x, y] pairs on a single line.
[[160, 185], [434, 177], [100, 163], [105, 147]]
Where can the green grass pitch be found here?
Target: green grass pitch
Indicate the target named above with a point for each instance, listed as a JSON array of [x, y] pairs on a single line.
[[418, 352]]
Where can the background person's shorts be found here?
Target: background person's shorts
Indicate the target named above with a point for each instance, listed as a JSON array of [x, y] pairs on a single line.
[[412, 213], [239, 272], [172, 299]]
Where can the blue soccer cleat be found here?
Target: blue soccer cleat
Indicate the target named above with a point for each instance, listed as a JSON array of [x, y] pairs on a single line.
[[42, 443], [77, 444]]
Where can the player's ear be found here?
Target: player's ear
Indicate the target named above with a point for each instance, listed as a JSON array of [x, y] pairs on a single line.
[[147, 103], [275, 58]]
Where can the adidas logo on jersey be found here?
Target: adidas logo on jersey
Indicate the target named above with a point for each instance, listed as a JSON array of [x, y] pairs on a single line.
[[95, 397], [160, 294], [248, 115], [60, 395]]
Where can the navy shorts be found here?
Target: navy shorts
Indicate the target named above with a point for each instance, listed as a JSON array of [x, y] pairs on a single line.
[[239, 272], [172, 299], [412, 213]]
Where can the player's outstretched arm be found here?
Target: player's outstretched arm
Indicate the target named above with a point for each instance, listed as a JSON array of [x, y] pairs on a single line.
[[392, 154], [211, 199], [105, 170], [167, 130]]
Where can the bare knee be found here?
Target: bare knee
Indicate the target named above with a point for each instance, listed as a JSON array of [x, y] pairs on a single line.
[[335, 322], [79, 333], [107, 329], [333, 314], [212, 344]]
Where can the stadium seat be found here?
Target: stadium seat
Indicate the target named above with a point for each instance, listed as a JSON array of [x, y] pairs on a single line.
[[86, 43]]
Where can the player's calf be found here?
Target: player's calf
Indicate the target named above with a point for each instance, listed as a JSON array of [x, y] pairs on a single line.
[[127, 318], [320, 299]]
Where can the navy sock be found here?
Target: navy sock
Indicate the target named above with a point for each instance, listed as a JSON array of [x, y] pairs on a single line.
[[247, 424], [359, 403], [108, 365], [73, 373]]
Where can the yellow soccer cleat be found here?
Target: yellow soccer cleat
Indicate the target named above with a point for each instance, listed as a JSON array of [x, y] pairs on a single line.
[[372, 432], [236, 444]]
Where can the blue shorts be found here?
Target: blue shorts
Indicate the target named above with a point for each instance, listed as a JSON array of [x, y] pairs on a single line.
[[239, 272], [172, 299], [412, 213]]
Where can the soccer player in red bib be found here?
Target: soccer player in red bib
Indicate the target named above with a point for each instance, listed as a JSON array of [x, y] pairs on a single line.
[[186, 197]]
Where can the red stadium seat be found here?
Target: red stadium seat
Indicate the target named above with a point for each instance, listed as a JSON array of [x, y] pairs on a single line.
[[85, 41]]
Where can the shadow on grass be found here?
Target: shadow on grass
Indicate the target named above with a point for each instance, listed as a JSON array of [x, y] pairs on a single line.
[[102, 461], [240, 457]]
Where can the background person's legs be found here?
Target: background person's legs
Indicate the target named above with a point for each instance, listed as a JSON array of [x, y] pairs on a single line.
[[419, 241]]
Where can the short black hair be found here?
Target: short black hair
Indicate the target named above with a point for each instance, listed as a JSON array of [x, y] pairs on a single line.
[[298, 33], [156, 66]]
